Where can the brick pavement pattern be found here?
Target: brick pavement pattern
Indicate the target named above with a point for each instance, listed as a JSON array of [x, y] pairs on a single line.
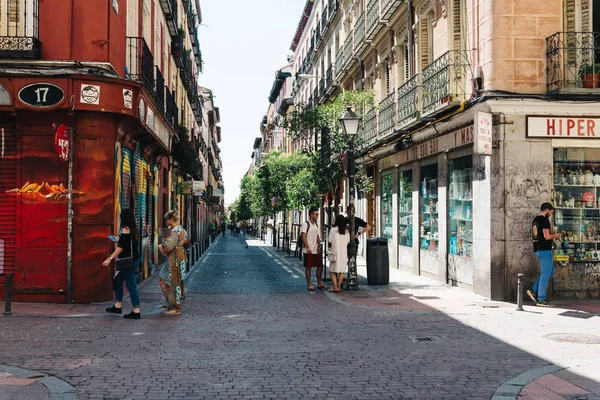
[[251, 330]]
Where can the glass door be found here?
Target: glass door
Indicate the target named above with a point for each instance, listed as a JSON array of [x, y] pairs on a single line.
[[460, 207], [429, 208], [405, 203]]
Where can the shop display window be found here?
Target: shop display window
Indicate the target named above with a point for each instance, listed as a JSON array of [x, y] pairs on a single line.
[[387, 212], [460, 207], [429, 208], [576, 177], [405, 215]]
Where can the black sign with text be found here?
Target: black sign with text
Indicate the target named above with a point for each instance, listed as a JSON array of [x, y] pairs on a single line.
[[41, 95]]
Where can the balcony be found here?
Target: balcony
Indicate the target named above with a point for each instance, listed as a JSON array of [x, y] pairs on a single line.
[[369, 132], [175, 115], [322, 87], [160, 89], [324, 22], [169, 9], [333, 9], [373, 25], [446, 82], [573, 63], [177, 50], [387, 116], [359, 36], [409, 103], [191, 19], [388, 8], [170, 106], [140, 62], [348, 51], [318, 35], [339, 62], [19, 39], [328, 79]]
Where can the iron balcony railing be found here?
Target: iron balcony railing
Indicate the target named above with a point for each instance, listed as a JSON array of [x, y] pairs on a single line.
[[322, 87], [169, 9], [160, 89], [191, 19], [19, 30], [572, 61], [316, 95], [177, 50], [328, 78], [408, 101], [359, 34], [324, 19], [140, 62], [348, 50], [387, 115], [333, 9], [317, 34], [369, 131], [175, 115], [170, 106], [372, 18], [388, 8], [339, 62], [447, 79]]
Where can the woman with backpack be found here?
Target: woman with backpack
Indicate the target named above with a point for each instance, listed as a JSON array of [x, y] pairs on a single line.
[[124, 254], [339, 237], [172, 273]]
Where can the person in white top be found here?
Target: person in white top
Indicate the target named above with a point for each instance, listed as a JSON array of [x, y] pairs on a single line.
[[312, 249], [339, 237]]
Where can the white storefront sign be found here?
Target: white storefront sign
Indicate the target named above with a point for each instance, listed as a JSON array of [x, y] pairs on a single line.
[[449, 141], [483, 134], [563, 127]]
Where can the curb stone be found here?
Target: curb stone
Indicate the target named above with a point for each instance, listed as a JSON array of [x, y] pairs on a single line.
[[57, 388]]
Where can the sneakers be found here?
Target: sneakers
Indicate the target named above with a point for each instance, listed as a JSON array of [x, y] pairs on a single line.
[[114, 310], [132, 315], [544, 303], [531, 295]]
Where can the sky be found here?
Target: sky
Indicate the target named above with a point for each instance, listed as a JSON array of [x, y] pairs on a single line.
[[243, 44]]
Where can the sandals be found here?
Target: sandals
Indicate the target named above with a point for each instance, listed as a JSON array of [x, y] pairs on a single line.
[[323, 287], [311, 288]]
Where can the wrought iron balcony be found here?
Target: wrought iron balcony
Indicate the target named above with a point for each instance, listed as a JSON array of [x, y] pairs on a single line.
[[170, 106], [317, 34], [322, 87], [169, 9], [160, 89], [333, 9], [140, 62], [388, 8], [359, 36], [175, 115], [177, 50], [316, 96], [446, 82], [387, 116], [348, 50], [329, 78], [369, 131], [573, 62], [373, 26], [409, 102], [191, 19], [324, 21], [339, 62], [19, 38]]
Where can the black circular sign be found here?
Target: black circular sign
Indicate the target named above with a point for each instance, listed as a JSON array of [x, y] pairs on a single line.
[[41, 95]]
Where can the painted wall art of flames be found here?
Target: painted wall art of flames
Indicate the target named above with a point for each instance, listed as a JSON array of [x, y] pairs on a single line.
[[44, 192]]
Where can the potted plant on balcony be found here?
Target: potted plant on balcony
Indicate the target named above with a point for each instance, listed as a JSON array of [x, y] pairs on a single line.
[[590, 75]]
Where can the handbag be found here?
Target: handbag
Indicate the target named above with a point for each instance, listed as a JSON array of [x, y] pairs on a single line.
[[122, 264], [332, 257]]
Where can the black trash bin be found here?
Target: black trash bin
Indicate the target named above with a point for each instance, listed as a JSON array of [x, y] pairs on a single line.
[[378, 261]]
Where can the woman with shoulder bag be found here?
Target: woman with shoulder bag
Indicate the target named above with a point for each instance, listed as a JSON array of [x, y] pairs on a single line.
[[172, 273], [124, 265], [339, 237]]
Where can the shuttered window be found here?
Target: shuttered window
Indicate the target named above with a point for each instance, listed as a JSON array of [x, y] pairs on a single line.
[[406, 63], [457, 24], [425, 40], [8, 201]]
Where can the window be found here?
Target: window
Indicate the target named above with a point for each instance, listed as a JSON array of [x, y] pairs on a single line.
[[387, 212], [429, 212], [405, 223], [460, 207]]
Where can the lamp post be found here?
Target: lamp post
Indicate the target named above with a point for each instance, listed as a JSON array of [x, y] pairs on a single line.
[[349, 122]]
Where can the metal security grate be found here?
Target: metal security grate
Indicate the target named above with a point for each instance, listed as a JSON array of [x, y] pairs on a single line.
[[425, 339]]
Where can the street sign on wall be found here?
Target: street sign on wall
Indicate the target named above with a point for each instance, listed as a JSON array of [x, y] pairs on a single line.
[[41, 95]]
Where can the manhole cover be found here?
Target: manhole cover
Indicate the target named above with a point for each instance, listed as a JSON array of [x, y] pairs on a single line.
[[574, 338]]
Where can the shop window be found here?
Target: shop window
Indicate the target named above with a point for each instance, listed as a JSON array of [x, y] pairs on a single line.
[[460, 207], [429, 208], [405, 208], [387, 189], [577, 211]]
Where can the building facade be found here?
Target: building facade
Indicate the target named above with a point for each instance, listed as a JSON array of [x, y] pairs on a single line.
[[115, 89], [484, 110]]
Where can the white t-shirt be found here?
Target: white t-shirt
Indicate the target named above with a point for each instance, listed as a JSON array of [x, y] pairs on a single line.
[[311, 237]]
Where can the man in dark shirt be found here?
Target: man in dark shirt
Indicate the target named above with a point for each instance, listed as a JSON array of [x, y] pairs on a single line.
[[542, 246], [360, 225]]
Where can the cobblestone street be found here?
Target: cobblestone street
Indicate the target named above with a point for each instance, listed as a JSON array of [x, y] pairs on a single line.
[[251, 330]]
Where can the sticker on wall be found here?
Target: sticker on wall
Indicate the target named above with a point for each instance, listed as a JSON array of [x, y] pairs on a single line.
[[127, 98], [90, 94]]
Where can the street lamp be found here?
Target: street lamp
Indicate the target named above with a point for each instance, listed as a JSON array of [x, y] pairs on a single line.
[[350, 122]]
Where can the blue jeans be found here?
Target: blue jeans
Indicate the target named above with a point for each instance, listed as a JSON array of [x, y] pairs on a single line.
[[128, 277], [547, 270]]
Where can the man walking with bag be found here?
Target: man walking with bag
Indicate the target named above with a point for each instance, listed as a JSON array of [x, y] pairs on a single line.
[[311, 253]]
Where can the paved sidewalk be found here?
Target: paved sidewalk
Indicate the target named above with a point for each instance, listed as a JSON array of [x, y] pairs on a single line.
[[23, 384]]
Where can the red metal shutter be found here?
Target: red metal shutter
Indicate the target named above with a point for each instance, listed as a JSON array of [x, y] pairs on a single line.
[[8, 181]]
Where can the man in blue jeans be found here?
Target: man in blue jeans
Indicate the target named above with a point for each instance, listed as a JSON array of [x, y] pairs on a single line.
[[542, 246]]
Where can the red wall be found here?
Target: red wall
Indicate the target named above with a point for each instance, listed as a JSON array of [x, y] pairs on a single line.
[[84, 31]]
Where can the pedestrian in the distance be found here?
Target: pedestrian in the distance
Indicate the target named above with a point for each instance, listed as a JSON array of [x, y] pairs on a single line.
[[124, 251], [172, 274], [542, 246], [312, 249], [339, 237]]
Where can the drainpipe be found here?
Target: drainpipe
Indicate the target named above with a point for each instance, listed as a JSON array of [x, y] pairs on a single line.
[[411, 39], [70, 221]]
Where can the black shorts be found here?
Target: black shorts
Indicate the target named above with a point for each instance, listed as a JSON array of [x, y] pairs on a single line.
[[312, 260]]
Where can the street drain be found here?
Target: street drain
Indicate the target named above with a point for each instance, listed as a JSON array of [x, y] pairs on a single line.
[[574, 338], [422, 339]]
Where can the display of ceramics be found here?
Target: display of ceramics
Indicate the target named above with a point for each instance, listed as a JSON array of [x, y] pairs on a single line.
[[589, 177], [597, 179], [580, 178]]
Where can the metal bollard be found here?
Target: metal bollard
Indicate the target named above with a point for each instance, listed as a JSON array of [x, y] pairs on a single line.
[[520, 292], [8, 299]]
